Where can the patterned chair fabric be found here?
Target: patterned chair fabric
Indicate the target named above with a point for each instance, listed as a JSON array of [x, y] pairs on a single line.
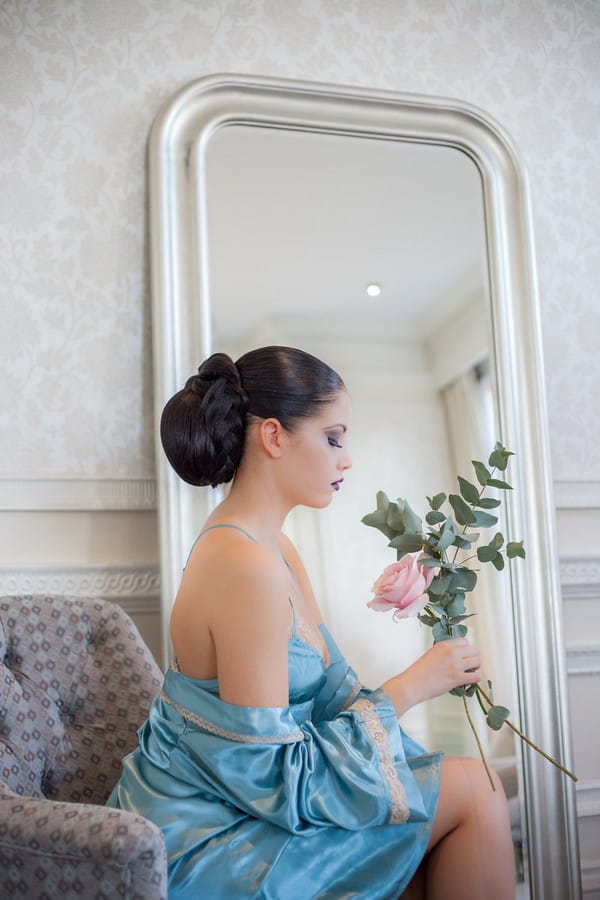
[[76, 682]]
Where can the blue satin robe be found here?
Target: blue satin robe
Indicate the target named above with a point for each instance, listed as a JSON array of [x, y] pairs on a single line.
[[327, 798]]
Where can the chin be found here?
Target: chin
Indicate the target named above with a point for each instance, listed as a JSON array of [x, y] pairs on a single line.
[[321, 503]]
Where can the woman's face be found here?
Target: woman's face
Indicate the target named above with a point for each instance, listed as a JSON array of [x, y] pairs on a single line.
[[316, 454]]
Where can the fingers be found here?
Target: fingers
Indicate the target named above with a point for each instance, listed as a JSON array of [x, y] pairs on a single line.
[[464, 660]]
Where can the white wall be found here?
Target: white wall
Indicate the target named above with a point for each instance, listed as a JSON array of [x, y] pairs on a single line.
[[80, 85]]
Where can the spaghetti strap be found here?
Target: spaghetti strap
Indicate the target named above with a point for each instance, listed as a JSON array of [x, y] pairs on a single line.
[[227, 525], [210, 528]]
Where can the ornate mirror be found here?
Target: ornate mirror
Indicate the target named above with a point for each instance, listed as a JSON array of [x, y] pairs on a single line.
[[274, 206]]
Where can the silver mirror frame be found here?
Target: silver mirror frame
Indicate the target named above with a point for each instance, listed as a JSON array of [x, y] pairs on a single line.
[[182, 337]]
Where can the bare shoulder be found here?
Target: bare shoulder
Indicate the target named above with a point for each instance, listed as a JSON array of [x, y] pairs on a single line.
[[228, 569], [232, 617]]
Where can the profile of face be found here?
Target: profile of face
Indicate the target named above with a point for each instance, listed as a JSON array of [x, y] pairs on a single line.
[[316, 455]]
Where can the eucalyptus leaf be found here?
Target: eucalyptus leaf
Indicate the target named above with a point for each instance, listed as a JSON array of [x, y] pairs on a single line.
[[378, 518], [458, 630], [395, 517], [429, 561], [426, 619], [515, 548], [436, 608], [464, 541], [497, 541], [486, 554], [468, 490], [483, 475], [497, 716], [440, 633], [499, 457], [482, 519], [436, 501], [456, 607], [464, 578], [440, 584], [446, 538], [464, 690], [454, 620], [498, 562], [498, 483], [488, 502], [412, 521], [407, 542], [434, 517], [464, 515]]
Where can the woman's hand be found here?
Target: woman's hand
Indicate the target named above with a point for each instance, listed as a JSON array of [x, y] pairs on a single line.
[[444, 666]]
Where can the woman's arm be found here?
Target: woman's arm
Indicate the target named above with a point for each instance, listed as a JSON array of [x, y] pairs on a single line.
[[444, 666]]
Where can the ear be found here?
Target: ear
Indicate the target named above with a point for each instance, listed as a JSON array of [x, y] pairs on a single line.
[[271, 436]]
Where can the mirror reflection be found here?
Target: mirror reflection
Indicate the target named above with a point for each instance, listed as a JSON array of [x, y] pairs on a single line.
[[371, 254]]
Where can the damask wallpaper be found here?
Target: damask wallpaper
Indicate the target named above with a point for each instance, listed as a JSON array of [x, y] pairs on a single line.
[[80, 84]]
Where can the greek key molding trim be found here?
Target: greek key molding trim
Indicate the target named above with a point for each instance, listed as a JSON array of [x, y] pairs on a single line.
[[77, 493], [577, 494], [580, 578], [135, 588]]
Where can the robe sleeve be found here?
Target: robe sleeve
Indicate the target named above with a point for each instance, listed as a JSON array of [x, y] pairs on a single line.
[[279, 765]]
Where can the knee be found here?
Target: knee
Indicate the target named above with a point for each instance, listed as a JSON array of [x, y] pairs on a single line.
[[479, 789]]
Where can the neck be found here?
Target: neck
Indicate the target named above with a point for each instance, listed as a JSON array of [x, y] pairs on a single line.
[[253, 506]]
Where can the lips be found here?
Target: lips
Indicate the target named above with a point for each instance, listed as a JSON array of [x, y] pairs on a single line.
[[336, 484]]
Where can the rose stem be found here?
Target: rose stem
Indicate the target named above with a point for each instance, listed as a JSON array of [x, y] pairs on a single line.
[[474, 730]]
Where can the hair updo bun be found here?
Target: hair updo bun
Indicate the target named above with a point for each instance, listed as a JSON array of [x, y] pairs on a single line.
[[202, 427]]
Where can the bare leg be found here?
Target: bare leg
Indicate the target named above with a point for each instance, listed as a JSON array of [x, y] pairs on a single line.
[[470, 853], [416, 890]]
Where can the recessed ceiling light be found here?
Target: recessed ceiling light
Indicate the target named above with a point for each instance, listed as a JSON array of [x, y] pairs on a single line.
[[373, 289]]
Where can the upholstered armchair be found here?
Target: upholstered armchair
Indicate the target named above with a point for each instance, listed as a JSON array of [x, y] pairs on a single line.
[[76, 681]]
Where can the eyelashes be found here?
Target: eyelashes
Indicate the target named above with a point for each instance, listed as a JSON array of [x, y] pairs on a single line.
[[333, 442]]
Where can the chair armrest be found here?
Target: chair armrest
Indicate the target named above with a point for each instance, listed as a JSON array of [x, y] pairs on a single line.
[[50, 849]]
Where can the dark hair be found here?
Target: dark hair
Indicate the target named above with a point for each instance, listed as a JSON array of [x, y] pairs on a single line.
[[203, 426]]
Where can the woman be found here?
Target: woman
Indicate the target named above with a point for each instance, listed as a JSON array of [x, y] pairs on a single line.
[[270, 770]]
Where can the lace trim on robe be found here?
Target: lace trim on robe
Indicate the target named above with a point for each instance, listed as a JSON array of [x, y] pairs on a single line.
[[366, 710], [308, 634], [354, 692], [290, 738]]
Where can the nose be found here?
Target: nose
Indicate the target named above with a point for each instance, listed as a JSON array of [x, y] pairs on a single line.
[[345, 463]]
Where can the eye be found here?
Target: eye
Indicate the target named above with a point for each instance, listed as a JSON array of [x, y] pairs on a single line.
[[334, 442]]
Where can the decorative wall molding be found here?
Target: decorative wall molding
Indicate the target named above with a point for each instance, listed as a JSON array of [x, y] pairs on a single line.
[[583, 660], [588, 798], [590, 879], [580, 578], [77, 493], [577, 494], [135, 588]]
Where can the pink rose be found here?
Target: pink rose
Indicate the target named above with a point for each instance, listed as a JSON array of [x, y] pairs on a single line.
[[402, 587]]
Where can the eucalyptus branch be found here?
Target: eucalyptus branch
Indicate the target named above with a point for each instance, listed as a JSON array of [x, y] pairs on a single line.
[[527, 740], [434, 588], [480, 748], [483, 487]]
